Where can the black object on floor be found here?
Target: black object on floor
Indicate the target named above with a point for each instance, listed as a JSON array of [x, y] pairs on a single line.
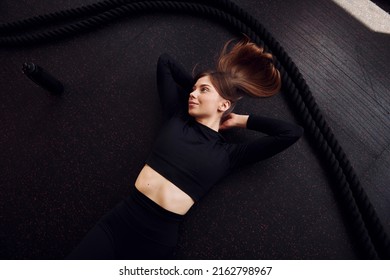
[[42, 78]]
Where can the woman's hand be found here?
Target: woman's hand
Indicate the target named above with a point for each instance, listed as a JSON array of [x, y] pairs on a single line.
[[234, 120]]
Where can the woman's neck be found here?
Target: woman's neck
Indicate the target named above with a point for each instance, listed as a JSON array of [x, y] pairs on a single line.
[[211, 123]]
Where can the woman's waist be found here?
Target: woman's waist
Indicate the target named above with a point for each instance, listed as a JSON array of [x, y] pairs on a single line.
[[163, 192]]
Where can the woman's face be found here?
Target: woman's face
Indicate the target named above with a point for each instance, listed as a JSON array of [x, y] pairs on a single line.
[[205, 101]]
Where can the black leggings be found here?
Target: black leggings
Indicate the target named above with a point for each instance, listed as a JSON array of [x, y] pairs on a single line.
[[137, 228]]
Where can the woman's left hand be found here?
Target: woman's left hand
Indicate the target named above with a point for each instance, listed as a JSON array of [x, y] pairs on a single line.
[[234, 120]]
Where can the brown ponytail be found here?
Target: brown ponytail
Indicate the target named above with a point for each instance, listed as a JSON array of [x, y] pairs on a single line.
[[244, 69], [251, 69]]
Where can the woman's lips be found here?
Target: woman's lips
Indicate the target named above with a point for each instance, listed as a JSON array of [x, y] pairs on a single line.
[[191, 103]]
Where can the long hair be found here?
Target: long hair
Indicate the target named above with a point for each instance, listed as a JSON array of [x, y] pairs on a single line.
[[244, 70]]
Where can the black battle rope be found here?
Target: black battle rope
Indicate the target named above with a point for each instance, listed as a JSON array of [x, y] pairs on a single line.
[[364, 221]]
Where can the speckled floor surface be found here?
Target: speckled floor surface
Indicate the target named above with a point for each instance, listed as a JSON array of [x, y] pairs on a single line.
[[65, 161]]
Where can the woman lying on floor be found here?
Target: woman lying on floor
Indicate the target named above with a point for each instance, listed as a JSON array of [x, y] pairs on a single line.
[[190, 155]]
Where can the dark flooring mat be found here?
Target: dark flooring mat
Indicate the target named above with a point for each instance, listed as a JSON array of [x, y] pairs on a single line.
[[67, 160]]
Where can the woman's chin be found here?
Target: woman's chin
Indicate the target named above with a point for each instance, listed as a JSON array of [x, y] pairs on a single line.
[[191, 113]]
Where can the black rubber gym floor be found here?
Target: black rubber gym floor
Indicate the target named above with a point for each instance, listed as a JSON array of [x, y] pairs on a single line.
[[65, 161]]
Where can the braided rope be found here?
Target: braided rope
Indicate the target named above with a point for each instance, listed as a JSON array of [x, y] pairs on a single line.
[[55, 17], [364, 221]]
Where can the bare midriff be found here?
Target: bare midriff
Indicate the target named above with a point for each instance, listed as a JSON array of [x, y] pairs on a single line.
[[162, 191]]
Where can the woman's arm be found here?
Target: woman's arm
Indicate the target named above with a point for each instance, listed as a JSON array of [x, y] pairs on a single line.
[[280, 135], [174, 85]]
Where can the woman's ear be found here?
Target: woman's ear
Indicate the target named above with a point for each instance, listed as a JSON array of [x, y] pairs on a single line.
[[225, 105]]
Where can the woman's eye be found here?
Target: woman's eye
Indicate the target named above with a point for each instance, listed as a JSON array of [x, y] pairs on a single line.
[[204, 89]]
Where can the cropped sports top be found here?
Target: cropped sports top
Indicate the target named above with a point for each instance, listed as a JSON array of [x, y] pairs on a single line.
[[193, 156]]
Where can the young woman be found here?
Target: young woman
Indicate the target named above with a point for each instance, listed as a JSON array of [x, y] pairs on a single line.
[[190, 155]]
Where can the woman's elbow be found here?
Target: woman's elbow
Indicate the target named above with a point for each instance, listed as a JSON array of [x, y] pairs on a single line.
[[298, 131], [294, 134]]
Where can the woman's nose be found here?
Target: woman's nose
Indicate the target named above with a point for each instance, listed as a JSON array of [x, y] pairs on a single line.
[[193, 94]]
